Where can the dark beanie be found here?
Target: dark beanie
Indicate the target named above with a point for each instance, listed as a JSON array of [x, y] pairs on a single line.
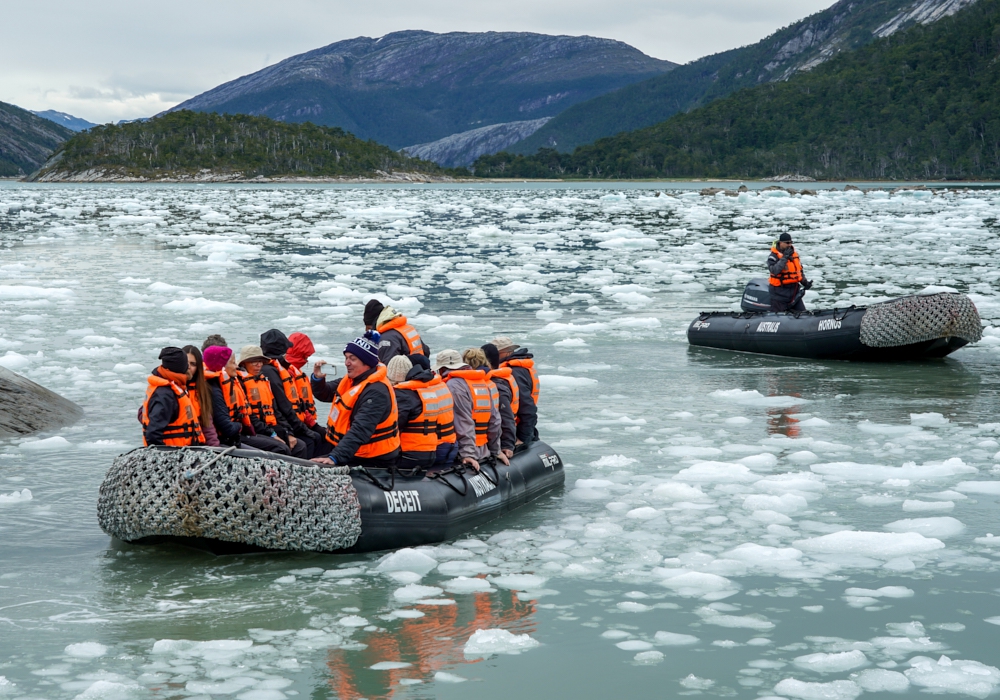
[[492, 355], [174, 360], [365, 348], [372, 310], [274, 343], [785, 238], [419, 360]]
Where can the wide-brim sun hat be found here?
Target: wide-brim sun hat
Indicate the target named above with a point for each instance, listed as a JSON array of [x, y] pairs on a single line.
[[449, 359], [251, 352], [504, 343]]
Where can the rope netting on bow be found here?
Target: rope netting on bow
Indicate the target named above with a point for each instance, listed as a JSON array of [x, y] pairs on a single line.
[[915, 319], [251, 500]]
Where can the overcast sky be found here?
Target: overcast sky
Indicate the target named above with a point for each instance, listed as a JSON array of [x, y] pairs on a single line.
[[105, 60]]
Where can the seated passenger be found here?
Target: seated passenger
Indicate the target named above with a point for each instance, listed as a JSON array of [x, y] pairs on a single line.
[[447, 449], [260, 401], [425, 410], [200, 395], [523, 366], [216, 340], [229, 405], [398, 337], [274, 344], [297, 356], [476, 413], [168, 417], [363, 425], [503, 380]]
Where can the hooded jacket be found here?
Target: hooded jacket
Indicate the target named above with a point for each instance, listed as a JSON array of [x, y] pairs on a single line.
[[527, 411], [229, 432], [391, 341], [372, 407], [508, 426]]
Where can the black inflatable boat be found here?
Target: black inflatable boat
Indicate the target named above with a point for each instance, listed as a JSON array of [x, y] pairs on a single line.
[[232, 500], [915, 327]]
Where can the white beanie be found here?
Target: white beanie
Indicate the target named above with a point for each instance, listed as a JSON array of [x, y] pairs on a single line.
[[397, 369]]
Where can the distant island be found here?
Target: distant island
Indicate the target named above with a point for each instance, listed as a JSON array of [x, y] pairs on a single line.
[[190, 146]]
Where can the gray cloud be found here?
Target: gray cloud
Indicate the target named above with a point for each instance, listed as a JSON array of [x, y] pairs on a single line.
[[113, 60]]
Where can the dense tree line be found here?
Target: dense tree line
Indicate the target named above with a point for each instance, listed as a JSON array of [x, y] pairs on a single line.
[[921, 104], [187, 142]]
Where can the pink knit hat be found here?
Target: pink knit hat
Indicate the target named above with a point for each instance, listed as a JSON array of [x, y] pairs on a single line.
[[216, 357]]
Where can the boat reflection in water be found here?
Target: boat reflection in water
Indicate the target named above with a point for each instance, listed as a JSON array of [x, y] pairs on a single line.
[[429, 644]]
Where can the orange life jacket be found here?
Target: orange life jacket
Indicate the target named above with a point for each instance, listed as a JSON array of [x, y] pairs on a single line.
[[305, 407], [409, 333], [385, 439], [483, 393], [185, 430], [260, 400], [232, 393], [792, 274], [287, 382], [507, 374], [422, 434], [528, 364]]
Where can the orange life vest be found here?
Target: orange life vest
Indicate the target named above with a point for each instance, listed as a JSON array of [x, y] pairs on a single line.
[[232, 393], [305, 407], [483, 395], [409, 333], [385, 439], [260, 400], [507, 374], [528, 364], [792, 274], [437, 415], [185, 430], [287, 383]]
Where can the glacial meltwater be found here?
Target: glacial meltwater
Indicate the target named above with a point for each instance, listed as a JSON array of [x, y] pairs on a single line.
[[732, 525]]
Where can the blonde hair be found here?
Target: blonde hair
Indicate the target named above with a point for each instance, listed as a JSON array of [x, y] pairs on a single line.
[[475, 358]]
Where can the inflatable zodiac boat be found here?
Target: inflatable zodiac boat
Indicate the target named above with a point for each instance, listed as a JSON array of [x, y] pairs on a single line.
[[916, 327], [233, 500]]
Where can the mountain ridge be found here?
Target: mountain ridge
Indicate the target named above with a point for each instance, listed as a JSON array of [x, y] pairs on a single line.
[[26, 140]]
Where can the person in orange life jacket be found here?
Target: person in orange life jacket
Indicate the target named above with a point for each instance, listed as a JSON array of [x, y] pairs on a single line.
[[168, 416], [423, 403], [396, 335], [230, 411], [447, 448], [274, 344], [786, 275], [503, 380], [297, 356], [522, 365], [200, 395], [477, 416], [260, 400], [362, 428], [214, 339]]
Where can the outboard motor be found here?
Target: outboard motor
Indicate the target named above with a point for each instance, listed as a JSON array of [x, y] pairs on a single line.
[[757, 295]]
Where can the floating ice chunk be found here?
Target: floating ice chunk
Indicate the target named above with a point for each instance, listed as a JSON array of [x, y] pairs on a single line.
[[614, 462], [834, 690], [201, 305], [814, 423], [86, 650], [22, 496], [988, 488], [765, 460], [557, 381], [883, 592], [25, 292], [837, 662], [947, 676], [110, 690], [415, 592], [786, 503], [522, 290], [634, 645], [914, 506], [716, 473], [407, 560], [463, 584], [881, 545], [520, 582], [445, 677], [928, 420], [738, 420], [695, 683], [696, 584], [648, 657], [570, 343], [644, 513], [632, 606], [285, 579], [692, 451], [755, 398], [803, 457], [356, 620], [993, 620], [389, 665], [914, 629], [498, 641], [851, 471], [674, 639], [679, 492], [764, 557], [53, 443], [880, 680], [929, 527], [866, 426]]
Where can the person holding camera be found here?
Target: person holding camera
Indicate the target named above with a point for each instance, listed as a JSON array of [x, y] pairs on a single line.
[[786, 276]]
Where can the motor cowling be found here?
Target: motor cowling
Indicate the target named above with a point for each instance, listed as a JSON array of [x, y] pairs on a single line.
[[757, 295]]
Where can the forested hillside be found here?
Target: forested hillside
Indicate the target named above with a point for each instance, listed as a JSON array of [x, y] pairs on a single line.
[[921, 104], [185, 143]]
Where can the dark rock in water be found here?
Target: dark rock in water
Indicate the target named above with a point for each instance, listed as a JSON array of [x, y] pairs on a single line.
[[26, 407]]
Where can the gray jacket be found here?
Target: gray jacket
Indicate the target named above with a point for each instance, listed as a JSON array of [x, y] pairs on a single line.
[[465, 427]]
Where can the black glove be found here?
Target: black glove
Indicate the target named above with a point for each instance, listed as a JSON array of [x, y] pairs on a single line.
[[787, 252], [807, 284]]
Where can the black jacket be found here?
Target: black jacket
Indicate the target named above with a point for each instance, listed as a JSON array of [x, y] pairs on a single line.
[[371, 408], [283, 409], [409, 406], [229, 432], [527, 412], [392, 343], [162, 409], [508, 426]]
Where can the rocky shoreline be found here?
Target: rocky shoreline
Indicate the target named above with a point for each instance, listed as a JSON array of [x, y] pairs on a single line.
[[101, 175]]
